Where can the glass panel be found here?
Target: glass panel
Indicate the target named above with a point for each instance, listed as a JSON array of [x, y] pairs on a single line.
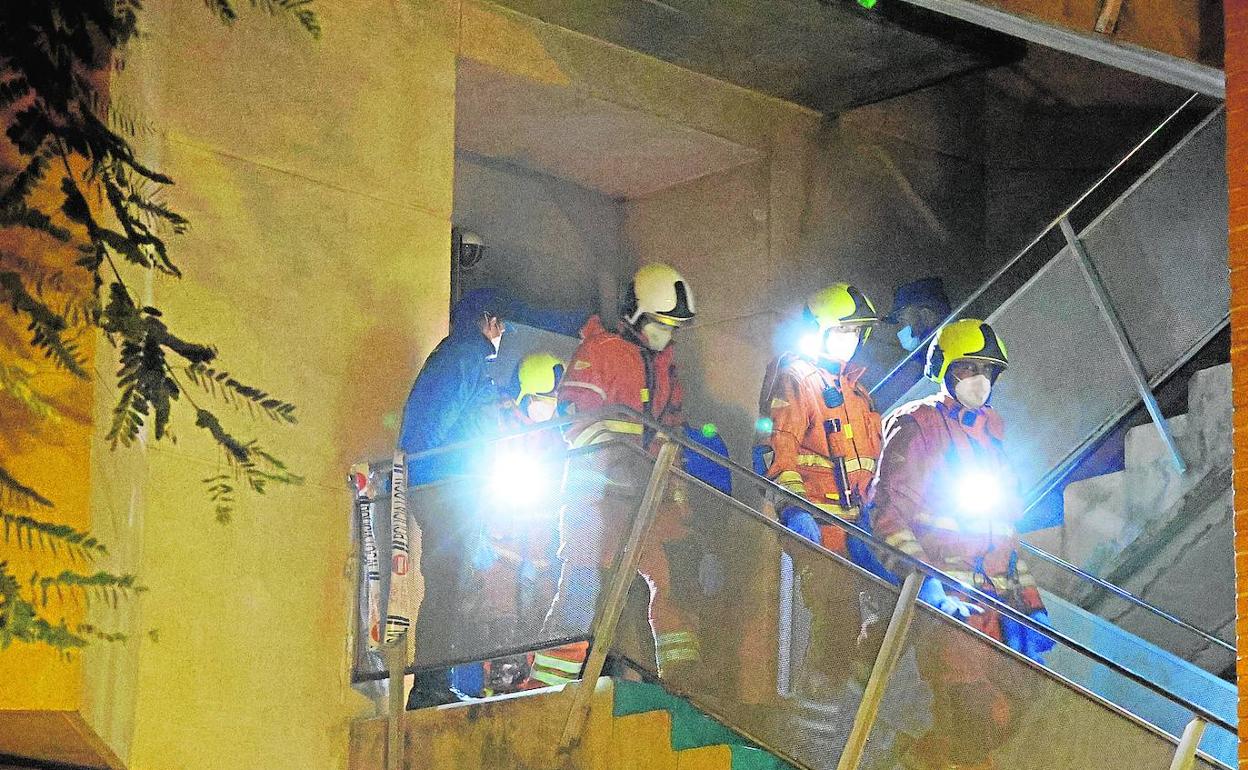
[[786, 633], [766, 631], [487, 550], [988, 704]]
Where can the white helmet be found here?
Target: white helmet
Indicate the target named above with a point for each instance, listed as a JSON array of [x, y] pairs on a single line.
[[659, 291]]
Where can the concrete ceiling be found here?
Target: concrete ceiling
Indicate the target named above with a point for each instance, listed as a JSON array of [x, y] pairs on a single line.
[[830, 56], [596, 144]]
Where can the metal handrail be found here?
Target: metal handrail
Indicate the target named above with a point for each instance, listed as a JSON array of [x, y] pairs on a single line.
[[852, 529], [1126, 595], [1009, 265]]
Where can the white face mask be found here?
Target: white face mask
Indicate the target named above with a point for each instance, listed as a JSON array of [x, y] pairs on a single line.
[[973, 392], [656, 335], [496, 342], [541, 409], [909, 342], [840, 346]]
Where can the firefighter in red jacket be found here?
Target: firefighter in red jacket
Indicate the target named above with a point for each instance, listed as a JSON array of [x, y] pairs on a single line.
[[823, 446], [945, 494], [632, 368]]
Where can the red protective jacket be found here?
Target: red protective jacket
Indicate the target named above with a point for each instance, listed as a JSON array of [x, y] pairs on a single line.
[[818, 415], [608, 370], [931, 448]]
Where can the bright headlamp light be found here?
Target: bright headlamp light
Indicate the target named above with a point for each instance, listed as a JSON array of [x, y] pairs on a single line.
[[978, 493], [518, 480]]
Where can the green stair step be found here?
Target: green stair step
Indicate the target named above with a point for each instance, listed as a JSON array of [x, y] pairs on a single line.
[[691, 728]]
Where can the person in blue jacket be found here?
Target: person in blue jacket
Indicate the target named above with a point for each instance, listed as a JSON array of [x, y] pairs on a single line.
[[453, 400]]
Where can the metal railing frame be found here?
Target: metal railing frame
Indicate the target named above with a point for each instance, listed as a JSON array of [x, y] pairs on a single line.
[[1144, 387], [1009, 265], [916, 566], [852, 529]]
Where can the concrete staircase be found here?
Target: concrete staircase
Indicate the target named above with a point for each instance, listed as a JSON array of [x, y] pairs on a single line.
[[632, 726], [1162, 535]]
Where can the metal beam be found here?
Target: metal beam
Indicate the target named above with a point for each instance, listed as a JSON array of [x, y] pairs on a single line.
[[617, 594], [881, 673], [395, 655], [1142, 61], [1103, 303]]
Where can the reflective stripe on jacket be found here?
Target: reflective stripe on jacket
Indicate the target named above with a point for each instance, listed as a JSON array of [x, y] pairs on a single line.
[[818, 415]]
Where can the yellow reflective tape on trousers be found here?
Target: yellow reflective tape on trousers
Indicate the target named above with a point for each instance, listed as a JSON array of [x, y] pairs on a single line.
[[678, 655], [558, 664], [598, 431], [549, 678]]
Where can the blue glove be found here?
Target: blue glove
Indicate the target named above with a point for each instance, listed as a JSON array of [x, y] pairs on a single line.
[[1021, 638], [864, 557], [484, 555], [934, 594], [802, 522]]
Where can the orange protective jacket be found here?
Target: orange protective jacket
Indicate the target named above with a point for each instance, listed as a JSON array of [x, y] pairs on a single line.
[[818, 415], [930, 446], [608, 370]]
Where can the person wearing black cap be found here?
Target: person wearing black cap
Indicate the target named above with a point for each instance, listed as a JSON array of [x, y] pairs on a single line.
[[918, 308], [453, 400]]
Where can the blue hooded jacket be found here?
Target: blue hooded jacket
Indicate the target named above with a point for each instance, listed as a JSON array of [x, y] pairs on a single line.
[[453, 398]]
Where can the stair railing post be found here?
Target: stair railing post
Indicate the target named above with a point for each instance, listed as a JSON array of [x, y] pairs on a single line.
[[613, 604], [395, 655], [881, 673], [1106, 307], [1185, 754]]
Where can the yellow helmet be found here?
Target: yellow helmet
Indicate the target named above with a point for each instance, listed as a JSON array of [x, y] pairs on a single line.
[[969, 339], [841, 305], [539, 373]]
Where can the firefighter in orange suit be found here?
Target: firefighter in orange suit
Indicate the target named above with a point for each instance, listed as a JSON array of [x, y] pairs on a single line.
[[823, 446], [825, 432], [945, 494], [632, 368]]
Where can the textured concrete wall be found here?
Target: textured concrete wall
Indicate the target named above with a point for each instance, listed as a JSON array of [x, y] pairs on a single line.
[[548, 240], [317, 177], [1237, 172]]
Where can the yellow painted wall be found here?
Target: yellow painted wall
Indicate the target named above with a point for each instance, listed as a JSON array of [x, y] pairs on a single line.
[[317, 177], [49, 455]]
